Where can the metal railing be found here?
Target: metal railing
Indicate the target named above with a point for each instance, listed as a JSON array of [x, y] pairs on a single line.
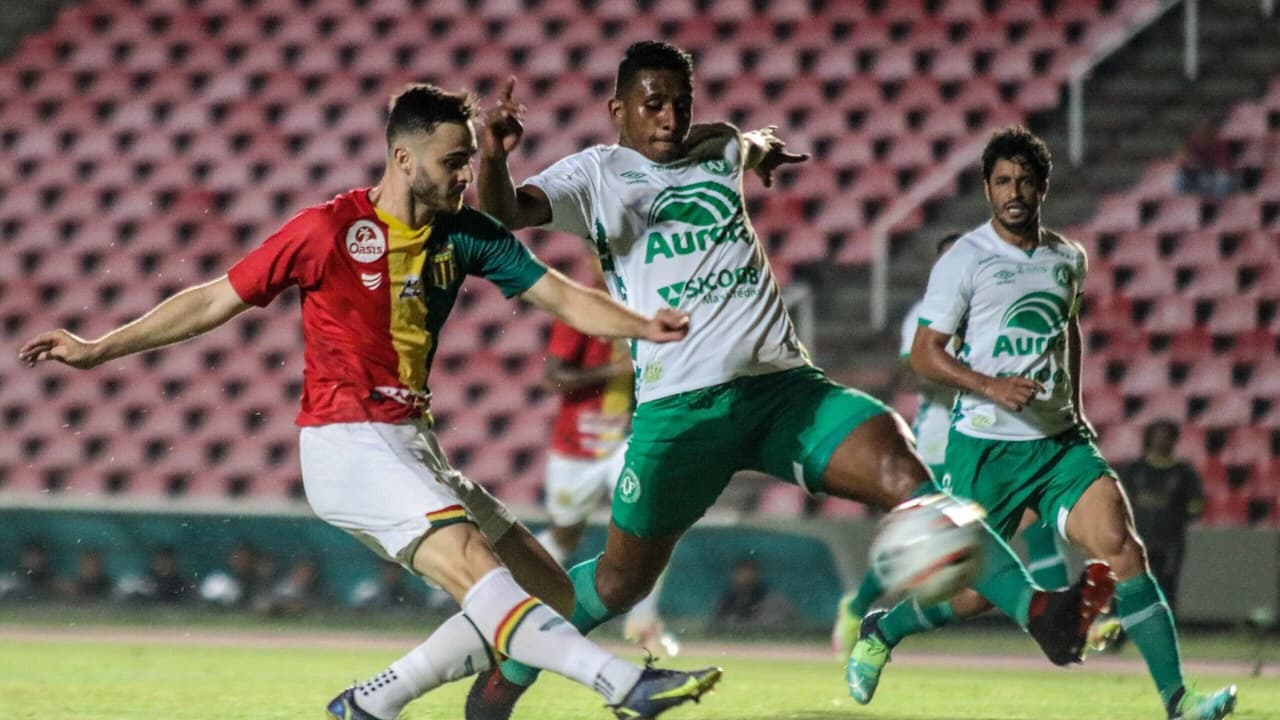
[[1083, 68]]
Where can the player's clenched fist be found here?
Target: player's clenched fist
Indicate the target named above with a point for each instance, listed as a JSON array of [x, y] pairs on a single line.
[[1012, 392], [667, 325], [61, 346]]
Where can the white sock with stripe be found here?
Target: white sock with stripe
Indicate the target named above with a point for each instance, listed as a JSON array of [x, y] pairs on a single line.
[[455, 650], [522, 628]]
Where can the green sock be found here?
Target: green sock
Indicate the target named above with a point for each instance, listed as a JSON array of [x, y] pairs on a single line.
[[1045, 561], [908, 618], [589, 612], [869, 591], [1149, 624], [1004, 581]]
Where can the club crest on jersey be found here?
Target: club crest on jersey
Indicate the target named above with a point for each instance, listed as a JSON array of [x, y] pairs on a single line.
[[1062, 274], [365, 242], [444, 269], [629, 486]]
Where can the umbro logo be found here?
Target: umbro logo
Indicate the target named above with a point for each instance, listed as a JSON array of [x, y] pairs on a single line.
[[634, 177]]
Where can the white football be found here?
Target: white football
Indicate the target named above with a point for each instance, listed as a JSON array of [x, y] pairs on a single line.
[[929, 548]]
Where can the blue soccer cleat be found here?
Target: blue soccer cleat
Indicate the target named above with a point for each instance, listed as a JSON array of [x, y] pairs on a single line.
[[867, 660], [344, 707], [1190, 705], [657, 691]]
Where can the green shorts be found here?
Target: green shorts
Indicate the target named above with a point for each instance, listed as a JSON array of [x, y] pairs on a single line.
[[1007, 476], [685, 447]]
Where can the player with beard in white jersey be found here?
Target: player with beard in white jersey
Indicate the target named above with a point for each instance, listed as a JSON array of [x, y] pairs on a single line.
[[1019, 437], [664, 211], [1045, 559]]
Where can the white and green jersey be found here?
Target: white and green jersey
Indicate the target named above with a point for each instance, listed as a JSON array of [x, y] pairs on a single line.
[[933, 419], [677, 235], [1015, 305]]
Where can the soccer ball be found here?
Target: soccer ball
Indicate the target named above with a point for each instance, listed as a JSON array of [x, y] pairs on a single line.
[[929, 548]]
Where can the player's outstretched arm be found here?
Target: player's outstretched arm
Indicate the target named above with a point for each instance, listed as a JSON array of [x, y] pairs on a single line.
[[595, 313], [503, 126], [930, 359], [192, 312]]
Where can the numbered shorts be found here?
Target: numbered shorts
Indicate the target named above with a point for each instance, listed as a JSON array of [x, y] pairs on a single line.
[[1007, 476], [387, 485], [574, 485], [685, 447]]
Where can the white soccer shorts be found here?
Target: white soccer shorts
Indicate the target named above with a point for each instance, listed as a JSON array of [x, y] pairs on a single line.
[[387, 485], [574, 484]]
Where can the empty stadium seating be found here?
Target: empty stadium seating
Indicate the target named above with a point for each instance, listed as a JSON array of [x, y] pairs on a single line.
[[1183, 306], [155, 141]]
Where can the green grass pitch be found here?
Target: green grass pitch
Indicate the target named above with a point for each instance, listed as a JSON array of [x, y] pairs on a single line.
[[105, 679]]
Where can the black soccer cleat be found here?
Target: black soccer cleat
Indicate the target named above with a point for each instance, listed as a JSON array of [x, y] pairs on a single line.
[[1060, 620], [492, 696]]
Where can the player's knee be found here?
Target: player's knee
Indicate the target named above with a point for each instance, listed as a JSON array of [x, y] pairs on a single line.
[[455, 557], [1130, 558], [901, 473], [1120, 547]]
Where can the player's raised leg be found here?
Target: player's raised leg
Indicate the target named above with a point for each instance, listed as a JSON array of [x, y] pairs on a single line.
[[876, 464], [663, 489], [1102, 524]]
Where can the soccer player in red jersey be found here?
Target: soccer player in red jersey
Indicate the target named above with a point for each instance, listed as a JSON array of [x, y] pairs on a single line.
[[379, 269], [594, 378]]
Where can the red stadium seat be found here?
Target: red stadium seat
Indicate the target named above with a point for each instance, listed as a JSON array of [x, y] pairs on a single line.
[[1104, 407], [1161, 404], [1233, 315], [1178, 214], [1246, 445], [1224, 411], [1209, 376], [1145, 375], [1120, 443]]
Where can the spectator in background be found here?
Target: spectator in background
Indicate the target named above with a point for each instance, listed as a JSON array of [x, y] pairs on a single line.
[[163, 581], [32, 579], [91, 582], [1207, 165], [749, 603], [388, 591], [299, 592], [234, 585], [1166, 496]]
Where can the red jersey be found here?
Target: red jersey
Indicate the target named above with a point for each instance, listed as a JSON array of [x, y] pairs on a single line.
[[593, 421], [375, 294]]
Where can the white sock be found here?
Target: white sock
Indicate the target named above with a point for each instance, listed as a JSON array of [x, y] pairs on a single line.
[[547, 539], [455, 650], [522, 628]]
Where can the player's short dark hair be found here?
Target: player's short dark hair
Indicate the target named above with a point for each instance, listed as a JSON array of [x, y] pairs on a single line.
[[1019, 145], [946, 241], [651, 55], [420, 107], [1162, 424]]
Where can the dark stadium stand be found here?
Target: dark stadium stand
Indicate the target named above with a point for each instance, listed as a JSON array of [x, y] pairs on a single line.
[[154, 141]]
